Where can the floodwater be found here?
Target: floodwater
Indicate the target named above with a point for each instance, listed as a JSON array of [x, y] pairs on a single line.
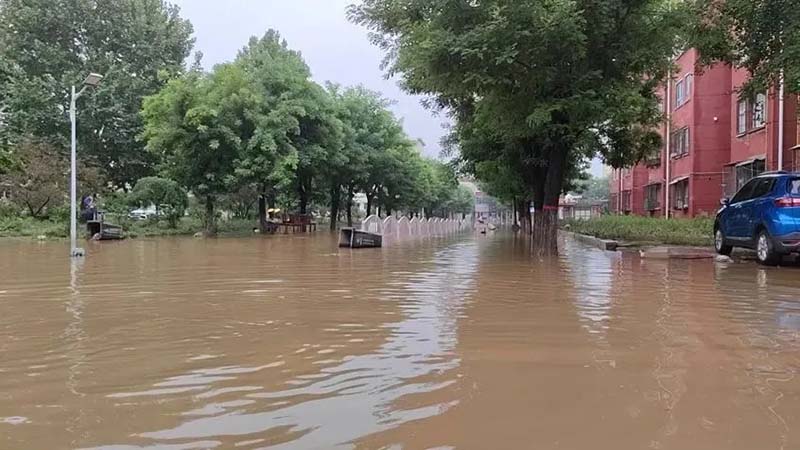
[[465, 342]]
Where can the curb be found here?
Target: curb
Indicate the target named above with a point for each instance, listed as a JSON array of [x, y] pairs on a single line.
[[676, 252], [602, 244]]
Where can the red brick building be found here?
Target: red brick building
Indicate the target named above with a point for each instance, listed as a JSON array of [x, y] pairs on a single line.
[[715, 142]]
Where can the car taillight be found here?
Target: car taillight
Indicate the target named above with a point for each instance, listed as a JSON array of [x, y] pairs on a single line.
[[787, 202]]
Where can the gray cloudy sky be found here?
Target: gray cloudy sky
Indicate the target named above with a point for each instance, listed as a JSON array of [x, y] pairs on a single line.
[[335, 49]]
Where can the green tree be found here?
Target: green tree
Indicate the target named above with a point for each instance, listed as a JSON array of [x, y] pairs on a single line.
[[297, 131], [320, 138], [282, 80], [39, 180], [760, 36], [552, 83], [169, 199], [48, 45], [195, 126], [463, 202], [595, 188], [371, 160]]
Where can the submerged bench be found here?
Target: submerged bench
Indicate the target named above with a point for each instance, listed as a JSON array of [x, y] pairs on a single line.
[[299, 222]]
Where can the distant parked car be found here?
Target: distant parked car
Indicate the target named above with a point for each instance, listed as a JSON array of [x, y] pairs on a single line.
[[764, 215], [140, 214]]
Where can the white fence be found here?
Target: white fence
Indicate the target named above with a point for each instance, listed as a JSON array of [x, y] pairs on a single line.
[[404, 228]]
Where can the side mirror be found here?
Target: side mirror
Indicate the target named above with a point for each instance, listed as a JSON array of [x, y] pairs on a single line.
[[725, 201]]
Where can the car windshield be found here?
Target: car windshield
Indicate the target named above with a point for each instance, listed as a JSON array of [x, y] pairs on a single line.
[[794, 186]]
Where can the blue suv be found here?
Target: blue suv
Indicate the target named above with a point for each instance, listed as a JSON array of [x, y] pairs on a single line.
[[764, 215]]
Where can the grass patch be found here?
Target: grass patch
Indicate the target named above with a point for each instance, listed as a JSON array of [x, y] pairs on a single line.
[[30, 227], [56, 229], [697, 231]]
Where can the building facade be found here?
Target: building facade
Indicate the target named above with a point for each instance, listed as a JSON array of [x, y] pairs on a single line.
[[713, 143]]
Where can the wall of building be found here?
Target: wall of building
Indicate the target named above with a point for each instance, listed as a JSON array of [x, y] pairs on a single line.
[[712, 119], [710, 113], [683, 115], [705, 192]]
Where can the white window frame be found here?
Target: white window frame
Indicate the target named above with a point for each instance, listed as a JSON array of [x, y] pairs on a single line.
[[679, 94], [759, 111], [627, 201], [681, 143], [741, 117], [653, 197], [680, 202], [683, 90], [688, 80]]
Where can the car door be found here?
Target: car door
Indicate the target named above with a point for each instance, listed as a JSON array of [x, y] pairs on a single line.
[[752, 209], [734, 222], [793, 191]]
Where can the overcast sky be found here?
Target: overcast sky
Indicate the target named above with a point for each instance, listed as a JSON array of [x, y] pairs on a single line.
[[335, 49]]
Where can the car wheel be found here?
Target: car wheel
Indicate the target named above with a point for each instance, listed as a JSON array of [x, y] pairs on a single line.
[[765, 250], [719, 243]]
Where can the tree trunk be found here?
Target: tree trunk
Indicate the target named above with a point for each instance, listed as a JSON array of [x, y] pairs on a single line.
[[350, 206], [303, 201], [524, 219], [369, 205], [210, 219], [546, 219], [335, 199], [271, 201], [36, 212], [514, 216]]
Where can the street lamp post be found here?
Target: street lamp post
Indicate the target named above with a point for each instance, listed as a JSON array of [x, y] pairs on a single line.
[[91, 81]]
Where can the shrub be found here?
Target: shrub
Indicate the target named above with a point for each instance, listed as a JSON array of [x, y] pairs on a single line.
[[168, 197], [696, 231], [8, 208]]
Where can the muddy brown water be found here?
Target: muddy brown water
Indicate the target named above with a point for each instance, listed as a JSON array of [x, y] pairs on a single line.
[[465, 342]]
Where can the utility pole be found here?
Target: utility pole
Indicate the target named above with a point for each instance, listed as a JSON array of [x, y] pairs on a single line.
[[91, 81]]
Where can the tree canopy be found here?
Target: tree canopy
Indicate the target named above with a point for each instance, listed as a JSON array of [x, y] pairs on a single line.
[[46, 46], [541, 86], [260, 124], [762, 37], [166, 195]]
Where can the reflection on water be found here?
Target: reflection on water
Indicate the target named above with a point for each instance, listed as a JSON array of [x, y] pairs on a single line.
[[446, 343]]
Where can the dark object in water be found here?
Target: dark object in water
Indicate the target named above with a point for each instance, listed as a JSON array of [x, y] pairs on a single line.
[[353, 238], [100, 230]]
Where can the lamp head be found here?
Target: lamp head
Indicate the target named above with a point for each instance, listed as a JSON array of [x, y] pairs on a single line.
[[93, 80]]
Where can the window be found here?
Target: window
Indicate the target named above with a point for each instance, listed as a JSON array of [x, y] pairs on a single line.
[[741, 122], [680, 194], [794, 186], [683, 90], [745, 193], [746, 172], [654, 160], [613, 201], [679, 145], [688, 87], [626, 201], [751, 114], [653, 197], [760, 111], [797, 153], [763, 187]]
